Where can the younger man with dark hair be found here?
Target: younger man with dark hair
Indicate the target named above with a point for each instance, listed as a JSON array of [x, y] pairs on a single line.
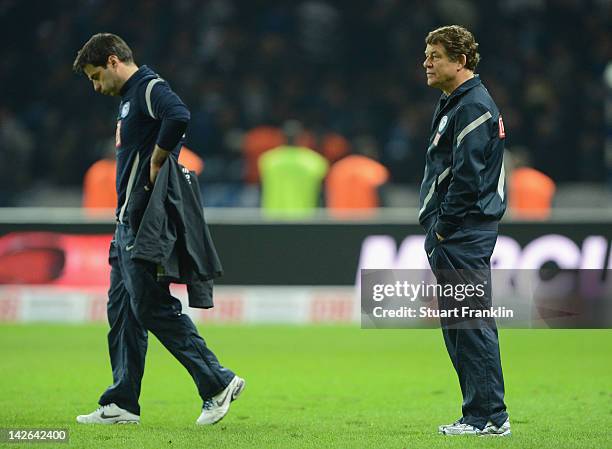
[[150, 124]]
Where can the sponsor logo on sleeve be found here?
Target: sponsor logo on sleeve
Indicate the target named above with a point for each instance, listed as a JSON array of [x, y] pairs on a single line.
[[437, 139], [118, 134], [502, 130]]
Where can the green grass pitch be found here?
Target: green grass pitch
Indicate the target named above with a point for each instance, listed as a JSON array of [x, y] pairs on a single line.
[[312, 387]]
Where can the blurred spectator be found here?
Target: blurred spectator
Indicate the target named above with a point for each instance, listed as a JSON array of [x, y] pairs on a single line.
[[17, 144], [291, 177], [530, 192], [255, 143], [191, 160], [352, 185], [99, 191], [334, 146], [318, 28]]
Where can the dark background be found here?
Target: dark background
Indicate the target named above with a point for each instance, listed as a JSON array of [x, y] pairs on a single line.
[[349, 67]]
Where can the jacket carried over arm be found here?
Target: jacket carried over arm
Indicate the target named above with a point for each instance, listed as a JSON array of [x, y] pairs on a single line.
[[168, 221]]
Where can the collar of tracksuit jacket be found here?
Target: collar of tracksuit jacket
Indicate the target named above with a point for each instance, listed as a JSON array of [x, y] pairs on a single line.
[[142, 72], [447, 100]]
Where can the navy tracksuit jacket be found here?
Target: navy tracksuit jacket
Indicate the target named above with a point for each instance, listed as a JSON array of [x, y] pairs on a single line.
[[462, 198]]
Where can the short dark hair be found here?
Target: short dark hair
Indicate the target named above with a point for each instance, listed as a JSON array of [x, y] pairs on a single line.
[[97, 50], [457, 41]]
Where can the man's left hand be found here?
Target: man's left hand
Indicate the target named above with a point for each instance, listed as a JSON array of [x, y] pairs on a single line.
[[153, 171], [157, 160]]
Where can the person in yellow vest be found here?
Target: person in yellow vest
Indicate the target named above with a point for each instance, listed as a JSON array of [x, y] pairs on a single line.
[[291, 177]]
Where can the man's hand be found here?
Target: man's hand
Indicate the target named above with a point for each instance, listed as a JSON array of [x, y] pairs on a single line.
[[439, 237], [157, 160], [153, 171]]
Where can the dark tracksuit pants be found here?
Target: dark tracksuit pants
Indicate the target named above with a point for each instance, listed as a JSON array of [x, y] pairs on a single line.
[[473, 345], [137, 303]]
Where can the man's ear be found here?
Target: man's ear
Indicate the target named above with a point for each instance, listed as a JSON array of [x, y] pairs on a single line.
[[462, 61], [112, 61]]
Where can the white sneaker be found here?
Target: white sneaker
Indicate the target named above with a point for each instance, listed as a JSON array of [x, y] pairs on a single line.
[[492, 430], [458, 428], [216, 408], [444, 426], [109, 414]]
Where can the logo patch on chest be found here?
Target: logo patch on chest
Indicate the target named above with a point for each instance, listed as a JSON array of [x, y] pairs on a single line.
[[125, 109], [442, 124]]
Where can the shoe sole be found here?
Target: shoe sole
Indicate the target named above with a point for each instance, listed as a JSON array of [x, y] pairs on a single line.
[[506, 433], [109, 423], [460, 434], [503, 434]]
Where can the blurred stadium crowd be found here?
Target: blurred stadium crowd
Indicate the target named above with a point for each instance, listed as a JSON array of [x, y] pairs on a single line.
[[351, 70]]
